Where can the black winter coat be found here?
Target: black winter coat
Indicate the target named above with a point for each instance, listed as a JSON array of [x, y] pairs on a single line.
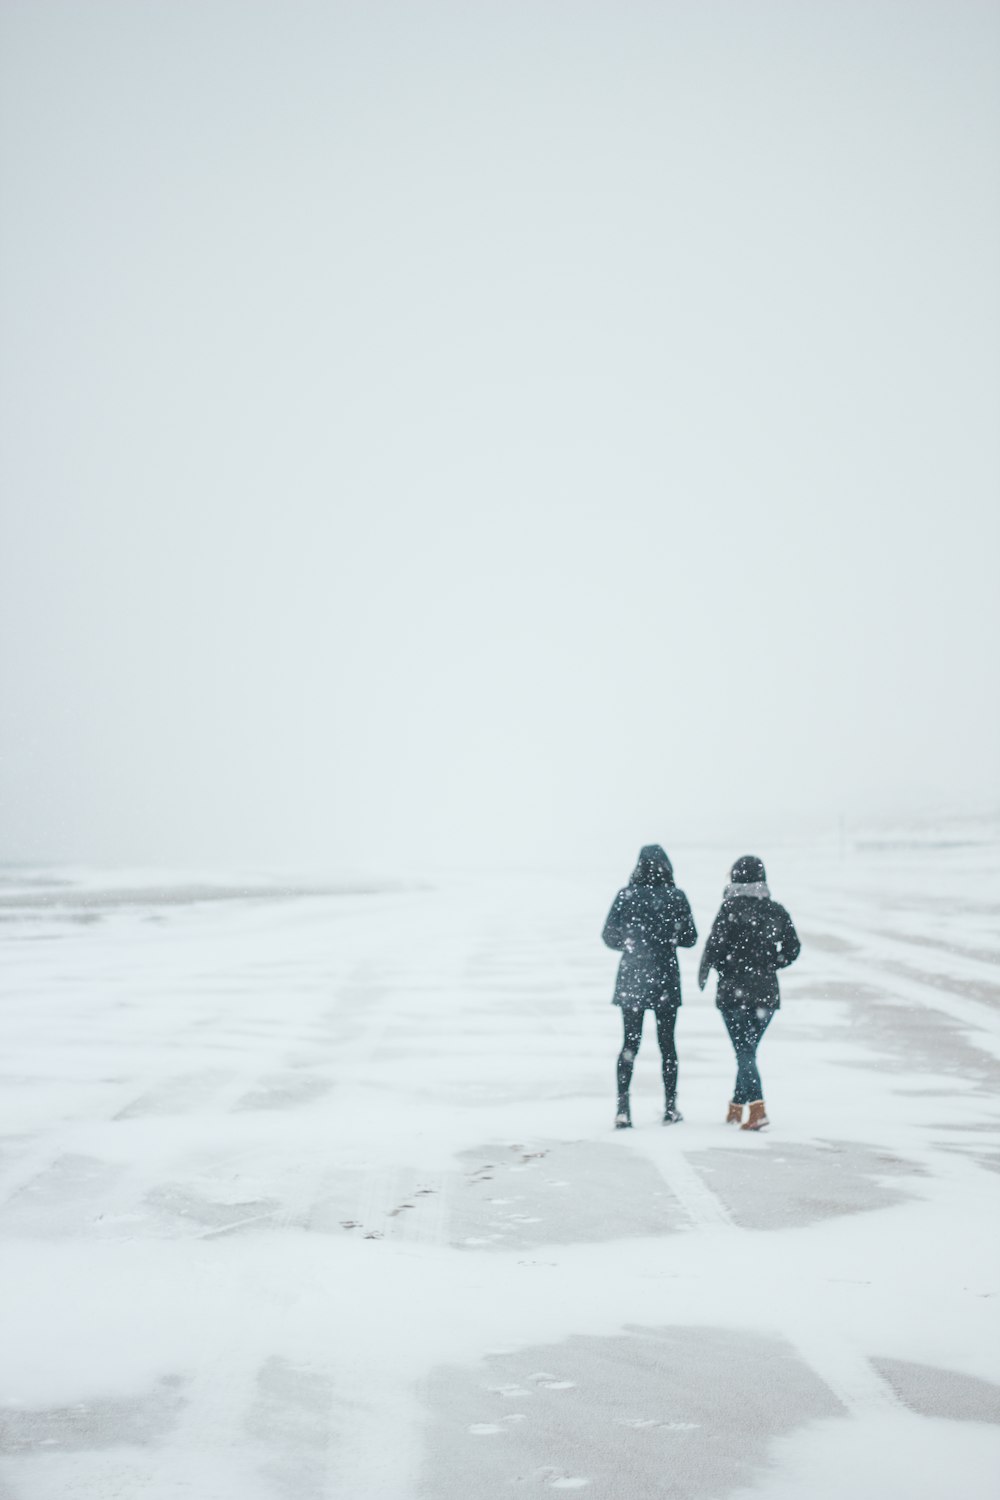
[[647, 923], [751, 939]]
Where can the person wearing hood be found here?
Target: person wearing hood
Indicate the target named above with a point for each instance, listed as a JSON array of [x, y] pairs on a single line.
[[751, 939], [649, 920]]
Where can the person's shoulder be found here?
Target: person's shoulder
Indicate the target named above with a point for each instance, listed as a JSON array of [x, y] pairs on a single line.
[[778, 909]]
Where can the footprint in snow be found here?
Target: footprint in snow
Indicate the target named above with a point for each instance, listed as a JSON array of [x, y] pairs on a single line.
[[484, 1429], [547, 1382]]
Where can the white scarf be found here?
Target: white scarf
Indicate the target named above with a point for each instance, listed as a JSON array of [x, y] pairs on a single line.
[[757, 888]]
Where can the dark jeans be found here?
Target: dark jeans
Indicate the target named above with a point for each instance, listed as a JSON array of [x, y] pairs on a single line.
[[746, 1027], [666, 1019]]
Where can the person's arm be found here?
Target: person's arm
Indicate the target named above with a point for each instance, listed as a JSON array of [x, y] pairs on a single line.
[[686, 932], [613, 933], [790, 945], [709, 955]]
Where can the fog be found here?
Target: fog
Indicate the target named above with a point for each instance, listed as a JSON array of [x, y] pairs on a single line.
[[504, 432]]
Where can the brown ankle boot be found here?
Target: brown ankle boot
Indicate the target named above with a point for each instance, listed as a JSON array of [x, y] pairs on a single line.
[[757, 1118], [735, 1115]]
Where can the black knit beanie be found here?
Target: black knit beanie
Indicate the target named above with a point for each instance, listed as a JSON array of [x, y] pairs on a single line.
[[748, 871]]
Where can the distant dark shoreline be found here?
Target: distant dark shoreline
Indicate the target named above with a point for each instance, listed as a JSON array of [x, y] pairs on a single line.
[[67, 897]]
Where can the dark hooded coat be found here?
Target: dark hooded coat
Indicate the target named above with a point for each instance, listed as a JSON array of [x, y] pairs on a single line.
[[751, 939], [648, 921]]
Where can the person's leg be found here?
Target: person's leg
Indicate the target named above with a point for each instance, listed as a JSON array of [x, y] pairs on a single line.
[[666, 1020], [736, 1026], [757, 1022], [632, 1018]]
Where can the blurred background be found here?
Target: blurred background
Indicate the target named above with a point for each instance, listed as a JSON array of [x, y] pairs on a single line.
[[501, 433]]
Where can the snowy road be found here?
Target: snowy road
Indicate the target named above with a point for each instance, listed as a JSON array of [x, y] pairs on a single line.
[[316, 1195]]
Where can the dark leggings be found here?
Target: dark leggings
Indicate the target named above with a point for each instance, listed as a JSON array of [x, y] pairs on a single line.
[[666, 1019], [746, 1027]]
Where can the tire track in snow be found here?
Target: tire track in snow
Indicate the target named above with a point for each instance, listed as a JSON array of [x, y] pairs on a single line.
[[704, 1208], [226, 1388], [849, 1374], [974, 1020]]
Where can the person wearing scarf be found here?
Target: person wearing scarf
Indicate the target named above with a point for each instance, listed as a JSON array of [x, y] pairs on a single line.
[[751, 939]]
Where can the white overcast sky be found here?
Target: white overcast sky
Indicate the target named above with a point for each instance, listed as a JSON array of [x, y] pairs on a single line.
[[494, 431]]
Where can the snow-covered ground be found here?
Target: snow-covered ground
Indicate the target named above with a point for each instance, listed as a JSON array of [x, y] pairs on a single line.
[[310, 1193]]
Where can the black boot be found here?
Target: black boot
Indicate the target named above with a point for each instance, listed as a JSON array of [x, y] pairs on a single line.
[[671, 1114], [623, 1119]]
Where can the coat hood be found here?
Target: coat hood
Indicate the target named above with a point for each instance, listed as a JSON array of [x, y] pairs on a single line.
[[653, 868]]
